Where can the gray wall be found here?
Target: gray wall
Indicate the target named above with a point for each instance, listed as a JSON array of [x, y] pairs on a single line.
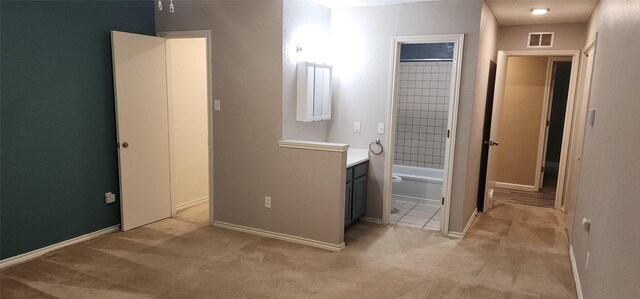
[[302, 22], [58, 133], [364, 69], [608, 187], [307, 187], [567, 36]]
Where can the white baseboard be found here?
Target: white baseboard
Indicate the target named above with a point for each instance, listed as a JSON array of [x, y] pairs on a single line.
[[576, 276], [192, 203], [416, 199], [373, 220], [38, 252], [461, 235], [279, 236], [516, 186]]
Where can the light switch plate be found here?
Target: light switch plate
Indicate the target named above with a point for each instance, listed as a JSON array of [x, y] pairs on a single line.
[[216, 105], [356, 127], [380, 128], [267, 202]]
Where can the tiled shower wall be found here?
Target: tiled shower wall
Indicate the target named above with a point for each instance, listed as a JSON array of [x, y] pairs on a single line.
[[423, 109]]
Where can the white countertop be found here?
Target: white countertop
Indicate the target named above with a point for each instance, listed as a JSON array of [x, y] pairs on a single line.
[[356, 156]]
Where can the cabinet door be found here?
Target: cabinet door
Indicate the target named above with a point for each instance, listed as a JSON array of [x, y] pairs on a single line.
[[359, 197], [348, 203]]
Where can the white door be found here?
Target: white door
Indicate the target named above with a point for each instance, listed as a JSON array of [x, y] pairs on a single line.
[[492, 166], [140, 81]]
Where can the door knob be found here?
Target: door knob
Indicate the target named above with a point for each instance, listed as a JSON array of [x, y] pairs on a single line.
[[491, 143], [125, 144]]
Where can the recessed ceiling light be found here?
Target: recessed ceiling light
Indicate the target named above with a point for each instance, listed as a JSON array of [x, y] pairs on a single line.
[[539, 11]]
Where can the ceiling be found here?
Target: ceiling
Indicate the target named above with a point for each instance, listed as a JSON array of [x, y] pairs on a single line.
[[518, 12], [508, 12]]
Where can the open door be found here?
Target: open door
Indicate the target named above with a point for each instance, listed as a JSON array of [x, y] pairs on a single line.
[[140, 82], [492, 167]]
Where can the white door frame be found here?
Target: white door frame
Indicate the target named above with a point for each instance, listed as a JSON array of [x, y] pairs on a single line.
[[547, 103], [387, 198], [207, 35], [569, 113]]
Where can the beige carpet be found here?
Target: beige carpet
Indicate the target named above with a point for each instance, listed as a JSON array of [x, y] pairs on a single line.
[[515, 251]]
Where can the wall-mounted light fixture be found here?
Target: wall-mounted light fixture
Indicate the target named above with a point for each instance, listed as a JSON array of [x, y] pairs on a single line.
[[539, 11], [171, 7]]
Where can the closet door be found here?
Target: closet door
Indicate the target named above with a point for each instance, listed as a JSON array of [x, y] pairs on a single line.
[[140, 82]]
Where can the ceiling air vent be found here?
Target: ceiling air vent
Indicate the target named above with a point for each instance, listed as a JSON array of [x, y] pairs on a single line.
[[540, 40]]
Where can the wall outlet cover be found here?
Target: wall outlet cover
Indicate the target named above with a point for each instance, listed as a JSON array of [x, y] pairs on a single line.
[[356, 127], [380, 128], [216, 105], [109, 198]]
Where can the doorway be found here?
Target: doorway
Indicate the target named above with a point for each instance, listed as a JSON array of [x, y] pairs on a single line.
[[533, 93], [188, 121], [422, 117], [164, 120]]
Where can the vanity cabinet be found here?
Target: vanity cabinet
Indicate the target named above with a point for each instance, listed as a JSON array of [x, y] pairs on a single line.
[[355, 193]]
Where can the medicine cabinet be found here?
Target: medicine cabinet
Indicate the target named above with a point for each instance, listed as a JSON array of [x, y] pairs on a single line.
[[314, 92]]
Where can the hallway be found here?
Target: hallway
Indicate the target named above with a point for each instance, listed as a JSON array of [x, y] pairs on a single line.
[[514, 250]]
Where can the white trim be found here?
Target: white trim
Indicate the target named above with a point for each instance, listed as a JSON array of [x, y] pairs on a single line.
[[516, 186], [458, 235], [576, 276], [192, 203], [458, 40], [317, 146], [372, 220], [38, 252], [207, 35], [279, 236]]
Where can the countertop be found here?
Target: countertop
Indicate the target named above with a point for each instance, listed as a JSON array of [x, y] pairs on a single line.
[[356, 156]]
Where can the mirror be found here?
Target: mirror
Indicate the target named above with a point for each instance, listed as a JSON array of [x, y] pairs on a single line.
[[314, 92]]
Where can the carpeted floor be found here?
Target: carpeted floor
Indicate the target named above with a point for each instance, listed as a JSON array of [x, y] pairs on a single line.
[[515, 251]]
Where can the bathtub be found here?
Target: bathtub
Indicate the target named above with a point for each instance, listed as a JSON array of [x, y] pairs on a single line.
[[420, 185]]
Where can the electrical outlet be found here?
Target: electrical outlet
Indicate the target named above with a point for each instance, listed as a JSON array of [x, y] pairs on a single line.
[[109, 198], [380, 128], [216, 105], [267, 202]]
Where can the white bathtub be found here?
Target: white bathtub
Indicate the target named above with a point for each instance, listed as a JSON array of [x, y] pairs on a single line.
[[420, 185]]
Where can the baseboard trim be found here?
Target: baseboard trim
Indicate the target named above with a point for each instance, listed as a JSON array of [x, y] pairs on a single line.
[[279, 236], [41, 251], [576, 276], [192, 203], [516, 186], [372, 220], [461, 235]]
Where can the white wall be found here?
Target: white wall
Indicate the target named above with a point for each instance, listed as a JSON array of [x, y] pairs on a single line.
[[567, 36], [365, 40], [305, 23], [188, 129], [608, 188]]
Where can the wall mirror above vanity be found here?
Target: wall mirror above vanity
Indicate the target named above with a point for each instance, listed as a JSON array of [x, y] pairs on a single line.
[[314, 91]]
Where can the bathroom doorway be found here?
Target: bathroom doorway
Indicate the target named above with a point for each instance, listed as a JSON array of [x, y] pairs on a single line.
[[422, 117]]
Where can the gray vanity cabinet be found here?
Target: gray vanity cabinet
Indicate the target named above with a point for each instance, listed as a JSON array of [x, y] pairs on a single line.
[[355, 193]]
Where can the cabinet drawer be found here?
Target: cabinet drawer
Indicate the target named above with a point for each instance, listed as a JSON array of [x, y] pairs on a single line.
[[360, 170], [349, 174]]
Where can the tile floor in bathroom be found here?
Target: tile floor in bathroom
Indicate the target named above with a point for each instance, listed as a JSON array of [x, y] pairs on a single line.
[[412, 214]]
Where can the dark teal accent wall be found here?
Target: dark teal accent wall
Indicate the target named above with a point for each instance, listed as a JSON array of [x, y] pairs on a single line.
[[57, 119]]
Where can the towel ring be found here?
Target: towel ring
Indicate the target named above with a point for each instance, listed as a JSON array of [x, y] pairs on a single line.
[[379, 144]]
